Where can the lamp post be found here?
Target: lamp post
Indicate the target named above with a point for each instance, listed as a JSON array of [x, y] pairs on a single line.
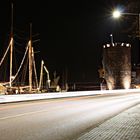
[[117, 14]]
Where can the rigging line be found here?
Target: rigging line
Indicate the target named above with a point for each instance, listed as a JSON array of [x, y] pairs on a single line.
[[37, 40], [21, 63], [34, 68], [6, 52], [37, 34], [47, 72], [23, 76], [37, 52], [20, 37], [18, 43], [4, 71], [20, 33], [48, 77], [19, 51], [41, 75]]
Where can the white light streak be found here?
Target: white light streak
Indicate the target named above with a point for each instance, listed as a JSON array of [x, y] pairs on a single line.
[[27, 97]]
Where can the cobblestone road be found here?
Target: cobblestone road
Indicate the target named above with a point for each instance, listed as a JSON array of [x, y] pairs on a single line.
[[125, 126]]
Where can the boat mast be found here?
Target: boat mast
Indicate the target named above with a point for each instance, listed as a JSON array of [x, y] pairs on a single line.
[[11, 48], [34, 66], [30, 59], [41, 74], [48, 77]]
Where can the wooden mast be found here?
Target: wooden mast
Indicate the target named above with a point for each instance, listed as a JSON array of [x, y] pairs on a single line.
[[11, 49], [30, 59], [41, 74], [48, 77]]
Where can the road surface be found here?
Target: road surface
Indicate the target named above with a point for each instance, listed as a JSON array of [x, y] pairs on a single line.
[[60, 119]]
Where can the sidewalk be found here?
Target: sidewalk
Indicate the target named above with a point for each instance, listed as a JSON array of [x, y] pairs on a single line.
[[125, 126]]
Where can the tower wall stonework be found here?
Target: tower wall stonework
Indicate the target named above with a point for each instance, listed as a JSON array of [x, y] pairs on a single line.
[[117, 65]]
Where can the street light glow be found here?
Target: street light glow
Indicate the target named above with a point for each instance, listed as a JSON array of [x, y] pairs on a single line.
[[116, 14]]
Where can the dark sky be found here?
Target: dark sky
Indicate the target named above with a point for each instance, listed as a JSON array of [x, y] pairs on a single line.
[[71, 33]]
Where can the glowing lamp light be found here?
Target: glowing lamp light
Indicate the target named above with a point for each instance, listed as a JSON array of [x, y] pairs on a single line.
[[110, 83], [110, 86], [116, 14], [126, 82]]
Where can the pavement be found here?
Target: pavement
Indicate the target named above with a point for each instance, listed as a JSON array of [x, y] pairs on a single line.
[[124, 126]]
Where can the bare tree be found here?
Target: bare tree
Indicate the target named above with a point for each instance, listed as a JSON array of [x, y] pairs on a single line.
[[133, 21]]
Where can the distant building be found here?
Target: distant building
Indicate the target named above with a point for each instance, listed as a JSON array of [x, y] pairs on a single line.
[[117, 65], [138, 74], [135, 76]]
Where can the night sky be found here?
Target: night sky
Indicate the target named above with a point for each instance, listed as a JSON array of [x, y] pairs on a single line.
[[70, 34]]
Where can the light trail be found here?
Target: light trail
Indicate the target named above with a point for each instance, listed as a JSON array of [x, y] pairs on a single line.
[[27, 97]]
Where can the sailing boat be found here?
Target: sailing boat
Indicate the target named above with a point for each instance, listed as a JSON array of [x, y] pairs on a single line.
[[12, 86]]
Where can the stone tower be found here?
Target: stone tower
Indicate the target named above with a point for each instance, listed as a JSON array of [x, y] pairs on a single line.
[[117, 65]]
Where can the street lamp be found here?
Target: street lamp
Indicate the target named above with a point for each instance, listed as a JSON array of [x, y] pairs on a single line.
[[117, 14]]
